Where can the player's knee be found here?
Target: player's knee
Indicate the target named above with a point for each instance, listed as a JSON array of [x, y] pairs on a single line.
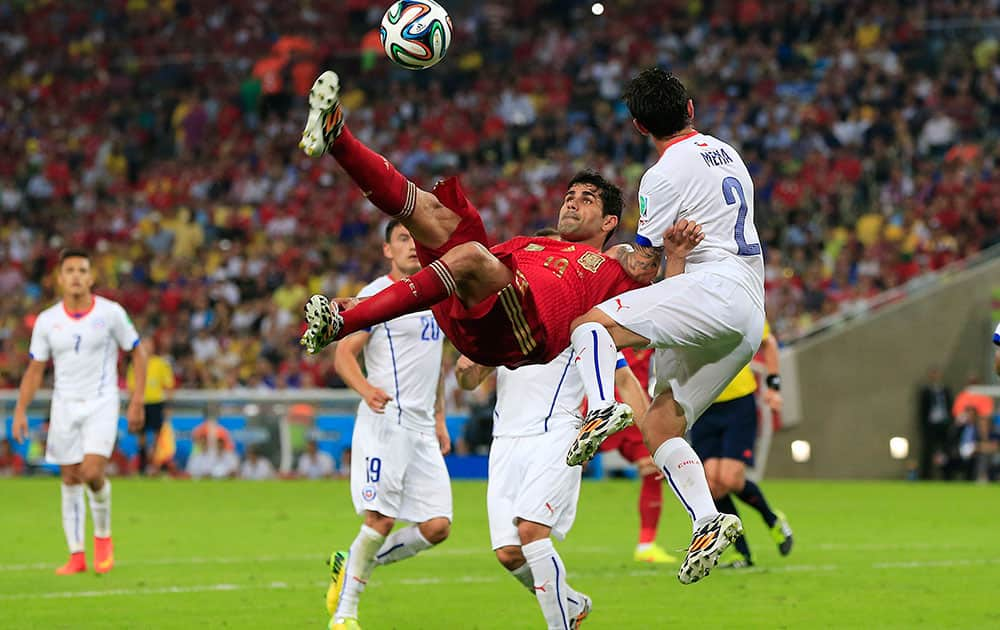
[[92, 475], [436, 530], [466, 258], [529, 531], [716, 487], [510, 557], [593, 315], [731, 480], [379, 522]]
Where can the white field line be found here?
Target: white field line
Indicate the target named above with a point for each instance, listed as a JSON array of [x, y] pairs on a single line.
[[435, 581], [320, 557], [446, 551]]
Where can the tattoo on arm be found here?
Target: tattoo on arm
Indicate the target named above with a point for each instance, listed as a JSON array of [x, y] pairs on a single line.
[[642, 262]]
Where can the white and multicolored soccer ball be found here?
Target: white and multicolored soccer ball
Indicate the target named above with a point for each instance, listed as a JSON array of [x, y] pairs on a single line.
[[416, 33]]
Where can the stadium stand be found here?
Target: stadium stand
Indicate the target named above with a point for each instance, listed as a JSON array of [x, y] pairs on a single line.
[[161, 135]]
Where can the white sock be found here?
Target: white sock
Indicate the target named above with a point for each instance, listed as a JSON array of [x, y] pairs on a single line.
[[74, 516], [100, 509], [523, 575], [686, 477], [550, 582], [401, 545], [596, 359], [359, 569]]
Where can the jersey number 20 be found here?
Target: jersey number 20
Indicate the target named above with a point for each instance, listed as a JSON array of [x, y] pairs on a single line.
[[431, 331], [732, 191]]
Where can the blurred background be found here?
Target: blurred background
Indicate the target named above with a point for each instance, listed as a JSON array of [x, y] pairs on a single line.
[[161, 136]]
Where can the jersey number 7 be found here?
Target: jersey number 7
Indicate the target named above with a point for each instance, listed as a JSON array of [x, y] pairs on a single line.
[[732, 192]]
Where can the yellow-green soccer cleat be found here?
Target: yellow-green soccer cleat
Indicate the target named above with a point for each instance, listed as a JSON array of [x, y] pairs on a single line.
[[732, 559], [781, 532], [347, 623], [707, 544], [326, 117], [338, 568], [654, 554]]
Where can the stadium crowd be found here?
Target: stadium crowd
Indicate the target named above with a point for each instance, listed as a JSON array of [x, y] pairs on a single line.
[[161, 135]]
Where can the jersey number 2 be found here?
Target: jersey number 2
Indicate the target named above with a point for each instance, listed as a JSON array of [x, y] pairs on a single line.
[[732, 191]]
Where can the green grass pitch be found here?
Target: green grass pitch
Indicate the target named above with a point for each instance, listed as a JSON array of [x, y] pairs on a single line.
[[251, 555]]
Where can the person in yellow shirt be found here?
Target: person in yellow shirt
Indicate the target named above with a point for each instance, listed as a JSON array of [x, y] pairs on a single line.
[[160, 384], [724, 438]]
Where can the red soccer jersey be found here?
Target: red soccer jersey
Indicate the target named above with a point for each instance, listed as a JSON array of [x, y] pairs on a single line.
[[566, 279]]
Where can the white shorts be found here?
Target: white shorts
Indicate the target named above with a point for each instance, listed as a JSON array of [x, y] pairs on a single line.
[[529, 480], [81, 427], [398, 472], [705, 327]]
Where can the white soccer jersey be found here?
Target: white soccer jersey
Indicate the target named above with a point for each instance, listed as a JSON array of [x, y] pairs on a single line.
[[83, 347], [403, 359], [702, 179], [536, 399]]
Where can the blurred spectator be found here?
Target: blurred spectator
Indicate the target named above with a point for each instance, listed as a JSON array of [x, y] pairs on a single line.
[[344, 470], [983, 403], [478, 432], [979, 446], [935, 424], [211, 459], [120, 464], [11, 464], [256, 467], [314, 463], [160, 384], [871, 139]]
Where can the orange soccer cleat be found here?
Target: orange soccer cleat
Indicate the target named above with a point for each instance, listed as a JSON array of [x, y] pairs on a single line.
[[77, 563], [104, 554]]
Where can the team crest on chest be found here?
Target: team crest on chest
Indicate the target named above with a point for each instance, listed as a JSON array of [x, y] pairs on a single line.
[[534, 247], [591, 261]]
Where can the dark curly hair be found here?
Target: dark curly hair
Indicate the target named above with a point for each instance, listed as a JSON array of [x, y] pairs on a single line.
[[658, 101]]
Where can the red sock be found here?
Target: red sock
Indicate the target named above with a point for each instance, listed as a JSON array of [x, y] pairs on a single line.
[[650, 504], [419, 292], [376, 176]]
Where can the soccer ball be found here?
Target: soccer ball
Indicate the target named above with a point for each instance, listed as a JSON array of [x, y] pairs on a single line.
[[416, 33]]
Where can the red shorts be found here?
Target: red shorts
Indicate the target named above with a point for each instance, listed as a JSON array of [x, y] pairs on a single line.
[[628, 442], [505, 329]]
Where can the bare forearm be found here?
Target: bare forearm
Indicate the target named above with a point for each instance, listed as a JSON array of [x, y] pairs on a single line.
[[470, 377], [349, 370], [770, 354], [30, 383], [439, 400], [675, 266], [347, 365], [140, 361]]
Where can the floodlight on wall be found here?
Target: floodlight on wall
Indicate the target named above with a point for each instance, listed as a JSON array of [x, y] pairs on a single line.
[[899, 447], [801, 451]]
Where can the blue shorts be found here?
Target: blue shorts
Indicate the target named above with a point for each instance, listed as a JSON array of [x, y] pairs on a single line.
[[727, 429]]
